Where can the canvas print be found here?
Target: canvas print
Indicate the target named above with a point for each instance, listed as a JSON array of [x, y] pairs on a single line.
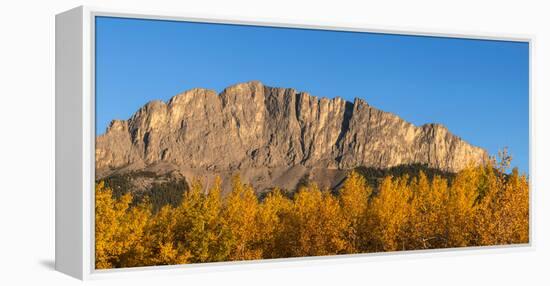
[[222, 142]]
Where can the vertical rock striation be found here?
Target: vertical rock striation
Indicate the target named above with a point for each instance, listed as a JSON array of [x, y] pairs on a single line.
[[250, 126]]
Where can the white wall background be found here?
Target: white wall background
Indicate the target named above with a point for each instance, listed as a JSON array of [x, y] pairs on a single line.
[[27, 141]]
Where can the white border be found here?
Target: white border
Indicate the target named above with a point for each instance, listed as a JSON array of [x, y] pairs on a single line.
[[88, 93], [88, 107]]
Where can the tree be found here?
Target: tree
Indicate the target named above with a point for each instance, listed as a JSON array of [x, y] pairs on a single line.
[[480, 205], [118, 229], [428, 213], [503, 215], [239, 221], [354, 198], [318, 224], [198, 227], [274, 217], [462, 206], [388, 215], [159, 243]]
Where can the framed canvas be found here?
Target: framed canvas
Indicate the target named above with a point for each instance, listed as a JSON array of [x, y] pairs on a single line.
[[187, 142]]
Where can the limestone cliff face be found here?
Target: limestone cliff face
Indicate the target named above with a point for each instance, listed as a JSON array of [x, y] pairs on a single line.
[[250, 126]]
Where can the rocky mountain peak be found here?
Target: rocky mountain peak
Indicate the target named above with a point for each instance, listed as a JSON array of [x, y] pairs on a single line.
[[263, 132]]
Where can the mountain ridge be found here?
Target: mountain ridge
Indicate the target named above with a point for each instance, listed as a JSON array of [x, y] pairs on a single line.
[[265, 132]]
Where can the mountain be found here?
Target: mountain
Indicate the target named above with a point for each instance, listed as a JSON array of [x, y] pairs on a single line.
[[272, 137]]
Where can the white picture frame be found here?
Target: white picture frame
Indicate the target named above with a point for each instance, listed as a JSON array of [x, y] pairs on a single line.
[[75, 145]]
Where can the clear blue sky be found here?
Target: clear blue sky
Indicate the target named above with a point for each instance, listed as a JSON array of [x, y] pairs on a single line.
[[479, 89]]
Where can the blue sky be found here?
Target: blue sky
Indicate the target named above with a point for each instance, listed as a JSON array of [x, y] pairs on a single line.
[[479, 89]]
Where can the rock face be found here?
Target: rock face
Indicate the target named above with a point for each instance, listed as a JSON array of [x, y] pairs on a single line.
[[265, 132]]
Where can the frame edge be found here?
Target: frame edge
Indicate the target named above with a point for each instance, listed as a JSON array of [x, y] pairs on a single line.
[[69, 219]]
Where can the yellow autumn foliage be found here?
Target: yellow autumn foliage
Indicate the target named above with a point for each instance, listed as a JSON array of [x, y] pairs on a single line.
[[481, 205]]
